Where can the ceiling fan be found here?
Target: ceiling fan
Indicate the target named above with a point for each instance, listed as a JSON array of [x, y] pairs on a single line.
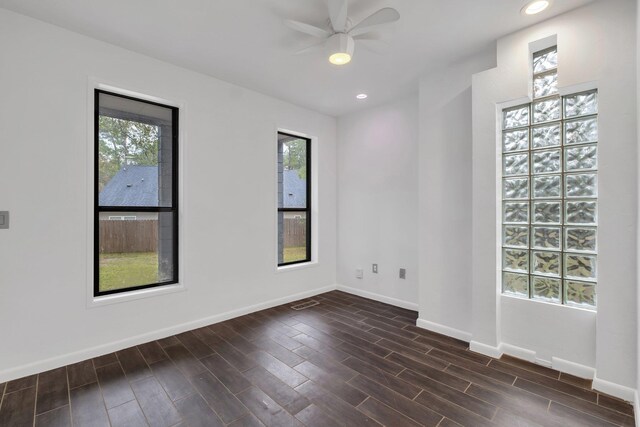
[[340, 35]]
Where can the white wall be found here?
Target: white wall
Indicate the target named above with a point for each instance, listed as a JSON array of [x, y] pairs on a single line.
[[445, 196], [377, 201], [596, 45], [228, 211]]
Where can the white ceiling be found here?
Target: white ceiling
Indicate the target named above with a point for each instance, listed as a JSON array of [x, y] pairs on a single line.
[[245, 41]]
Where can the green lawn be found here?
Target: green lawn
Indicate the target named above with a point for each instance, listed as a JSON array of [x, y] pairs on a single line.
[[295, 254], [119, 271]]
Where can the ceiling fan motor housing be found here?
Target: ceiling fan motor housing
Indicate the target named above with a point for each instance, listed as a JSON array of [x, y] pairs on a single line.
[[340, 42]]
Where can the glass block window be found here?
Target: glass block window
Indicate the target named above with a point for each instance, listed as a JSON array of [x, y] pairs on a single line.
[[549, 192]]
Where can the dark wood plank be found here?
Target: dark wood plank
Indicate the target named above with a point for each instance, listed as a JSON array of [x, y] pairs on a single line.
[[280, 392], [429, 371], [451, 410], [542, 370], [436, 336], [226, 405], [313, 416], [377, 361], [396, 330], [225, 349], [318, 346], [248, 420], [490, 371], [615, 404], [365, 345], [282, 371], [127, 415], [384, 414], [418, 356], [266, 409], [578, 417], [412, 344], [575, 403], [168, 341], [576, 381], [332, 383], [152, 352], [21, 383], [60, 417], [196, 413], [562, 386], [156, 405], [133, 364], [340, 410], [378, 375], [172, 380], [184, 360], [53, 390], [114, 384], [81, 373], [227, 374], [459, 398], [411, 409], [87, 406], [235, 339], [287, 357], [18, 407], [329, 365], [198, 348], [290, 343], [105, 359]]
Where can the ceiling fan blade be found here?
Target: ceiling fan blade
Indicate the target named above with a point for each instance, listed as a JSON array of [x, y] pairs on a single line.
[[307, 29], [309, 49], [369, 35], [338, 15], [381, 17]]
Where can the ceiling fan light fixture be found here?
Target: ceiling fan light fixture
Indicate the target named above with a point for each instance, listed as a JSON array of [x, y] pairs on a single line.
[[535, 7], [340, 47], [362, 96]]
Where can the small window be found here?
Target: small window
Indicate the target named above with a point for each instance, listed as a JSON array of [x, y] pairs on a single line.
[[136, 194], [294, 199], [550, 192]]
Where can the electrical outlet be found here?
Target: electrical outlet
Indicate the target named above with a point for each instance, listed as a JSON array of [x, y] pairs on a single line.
[[374, 268], [4, 219], [359, 273], [403, 273]]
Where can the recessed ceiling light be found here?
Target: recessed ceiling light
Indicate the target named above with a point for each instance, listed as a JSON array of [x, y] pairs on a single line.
[[536, 6], [362, 96]]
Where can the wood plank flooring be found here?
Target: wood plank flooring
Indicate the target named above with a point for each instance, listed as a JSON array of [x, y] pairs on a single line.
[[348, 361]]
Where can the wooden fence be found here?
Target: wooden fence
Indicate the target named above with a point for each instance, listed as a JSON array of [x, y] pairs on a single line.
[[118, 236], [128, 236], [295, 232]]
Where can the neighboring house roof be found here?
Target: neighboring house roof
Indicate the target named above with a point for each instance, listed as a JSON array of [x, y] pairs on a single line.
[[294, 190], [132, 186]]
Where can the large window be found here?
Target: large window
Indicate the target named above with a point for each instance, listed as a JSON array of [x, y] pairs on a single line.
[[136, 194], [549, 192], [294, 199]]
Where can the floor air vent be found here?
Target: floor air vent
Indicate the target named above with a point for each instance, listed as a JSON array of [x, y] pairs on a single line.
[[304, 305]]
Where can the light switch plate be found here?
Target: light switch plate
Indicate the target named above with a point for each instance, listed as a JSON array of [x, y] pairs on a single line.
[[403, 273], [4, 219]]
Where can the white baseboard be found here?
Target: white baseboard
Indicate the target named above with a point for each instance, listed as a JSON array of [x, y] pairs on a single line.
[[573, 368], [378, 297], [520, 353], [615, 390], [444, 330], [485, 349], [636, 408], [66, 359]]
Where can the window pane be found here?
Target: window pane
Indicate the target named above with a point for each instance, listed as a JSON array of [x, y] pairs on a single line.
[[516, 213], [292, 238], [546, 186], [546, 212], [545, 85], [546, 161], [581, 131], [516, 236], [581, 213], [516, 140], [544, 61], [546, 237], [580, 266], [580, 294], [516, 117], [546, 289], [546, 263], [582, 185], [580, 239], [544, 111], [581, 158], [581, 104], [135, 252], [515, 260], [135, 145], [515, 284], [546, 136], [517, 164], [292, 167], [516, 188]]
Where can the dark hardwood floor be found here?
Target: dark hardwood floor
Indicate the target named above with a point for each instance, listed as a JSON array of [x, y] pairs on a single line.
[[348, 361]]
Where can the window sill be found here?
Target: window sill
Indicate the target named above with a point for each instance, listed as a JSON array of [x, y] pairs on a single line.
[[572, 307], [293, 267], [133, 295]]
